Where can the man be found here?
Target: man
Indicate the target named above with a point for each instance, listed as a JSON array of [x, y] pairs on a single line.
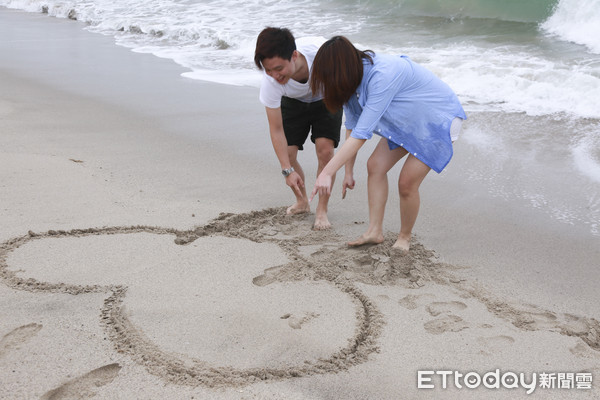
[[293, 111]]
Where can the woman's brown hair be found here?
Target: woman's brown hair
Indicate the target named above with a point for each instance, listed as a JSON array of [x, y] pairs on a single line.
[[337, 71]]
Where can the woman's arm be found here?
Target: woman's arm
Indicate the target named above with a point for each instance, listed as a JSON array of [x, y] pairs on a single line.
[[348, 182], [346, 153]]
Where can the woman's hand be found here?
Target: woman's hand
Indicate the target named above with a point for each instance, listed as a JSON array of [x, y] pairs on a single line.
[[322, 186], [344, 154], [348, 183]]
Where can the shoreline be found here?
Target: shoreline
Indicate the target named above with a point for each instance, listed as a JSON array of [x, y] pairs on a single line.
[[100, 137]]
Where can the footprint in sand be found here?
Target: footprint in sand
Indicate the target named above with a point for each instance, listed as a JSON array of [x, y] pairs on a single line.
[[532, 318], [84, 386], [296, 322], [437, 308], [577, 326], [18, 336], [446, 323], [494, 344], [536, 320], [269, 276], [411, 301], [582, 350]]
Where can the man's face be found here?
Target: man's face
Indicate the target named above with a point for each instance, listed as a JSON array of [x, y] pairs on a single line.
[[279, 69]]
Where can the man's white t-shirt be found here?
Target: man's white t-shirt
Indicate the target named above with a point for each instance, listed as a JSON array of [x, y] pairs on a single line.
[[271, 91]]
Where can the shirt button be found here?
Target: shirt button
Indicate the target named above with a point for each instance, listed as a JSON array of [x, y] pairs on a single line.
[[389, 137], [415, 154]]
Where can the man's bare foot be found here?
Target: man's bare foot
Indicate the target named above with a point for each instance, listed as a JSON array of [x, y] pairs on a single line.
[[321, 222], [402, 244], [366, 239], [298, 208]]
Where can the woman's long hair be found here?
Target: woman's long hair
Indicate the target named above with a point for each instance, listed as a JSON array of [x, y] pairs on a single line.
[[337, 71]]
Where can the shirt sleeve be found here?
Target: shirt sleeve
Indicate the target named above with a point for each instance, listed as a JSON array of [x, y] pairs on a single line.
[[349, 115], [382, 87], [270, 95]]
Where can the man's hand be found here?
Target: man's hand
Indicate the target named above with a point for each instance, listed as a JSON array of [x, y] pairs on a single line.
[[322, 186], [294, 181], [347, 184]]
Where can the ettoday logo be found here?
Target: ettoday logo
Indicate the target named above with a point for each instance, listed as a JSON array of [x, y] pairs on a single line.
[[508, 380]]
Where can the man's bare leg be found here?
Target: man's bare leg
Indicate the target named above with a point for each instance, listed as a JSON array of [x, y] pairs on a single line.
[[380, 162], [325, 150], [301, 206], [412, 175]]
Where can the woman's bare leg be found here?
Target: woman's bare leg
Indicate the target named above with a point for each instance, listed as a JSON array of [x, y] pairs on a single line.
[[380, 162], [325, 150], [412, 174]]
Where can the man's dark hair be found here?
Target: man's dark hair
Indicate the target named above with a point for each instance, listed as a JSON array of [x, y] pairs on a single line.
[[274, 42]]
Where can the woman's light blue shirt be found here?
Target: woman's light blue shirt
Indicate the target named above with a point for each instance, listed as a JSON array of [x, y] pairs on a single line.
[[408, 105]]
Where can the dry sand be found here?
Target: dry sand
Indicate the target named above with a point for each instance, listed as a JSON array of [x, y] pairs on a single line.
[[144, 253]]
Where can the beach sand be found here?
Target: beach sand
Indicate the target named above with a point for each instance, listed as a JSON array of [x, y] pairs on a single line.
[[145, 252]]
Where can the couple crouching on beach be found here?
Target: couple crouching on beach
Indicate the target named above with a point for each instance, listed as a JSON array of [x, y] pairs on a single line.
[[306, 84]]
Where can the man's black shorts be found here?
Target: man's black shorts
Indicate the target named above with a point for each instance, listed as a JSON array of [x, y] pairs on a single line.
[[299, 118]]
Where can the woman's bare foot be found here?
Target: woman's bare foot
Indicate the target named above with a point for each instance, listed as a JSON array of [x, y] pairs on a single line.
[[367, 239], [298, 208], [321, 222]]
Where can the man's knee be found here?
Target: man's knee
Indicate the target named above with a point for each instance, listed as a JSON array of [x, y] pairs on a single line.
[[325, 150]]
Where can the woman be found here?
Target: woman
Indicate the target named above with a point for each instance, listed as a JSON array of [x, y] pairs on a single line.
[[414, 112]]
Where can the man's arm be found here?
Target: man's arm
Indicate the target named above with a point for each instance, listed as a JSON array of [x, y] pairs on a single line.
[[278, 136], [280, 146]]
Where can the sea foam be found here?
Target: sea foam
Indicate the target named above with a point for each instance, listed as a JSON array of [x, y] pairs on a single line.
[[576, 21], [518, 73]]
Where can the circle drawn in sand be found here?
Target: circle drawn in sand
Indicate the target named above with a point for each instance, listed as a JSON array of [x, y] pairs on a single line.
[[270, 225]]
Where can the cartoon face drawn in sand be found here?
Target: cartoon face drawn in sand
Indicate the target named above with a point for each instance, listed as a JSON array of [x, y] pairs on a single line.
[[267, 228], [309, 268]]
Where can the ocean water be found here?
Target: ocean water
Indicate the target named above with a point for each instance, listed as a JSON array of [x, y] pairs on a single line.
[[527, 72]]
